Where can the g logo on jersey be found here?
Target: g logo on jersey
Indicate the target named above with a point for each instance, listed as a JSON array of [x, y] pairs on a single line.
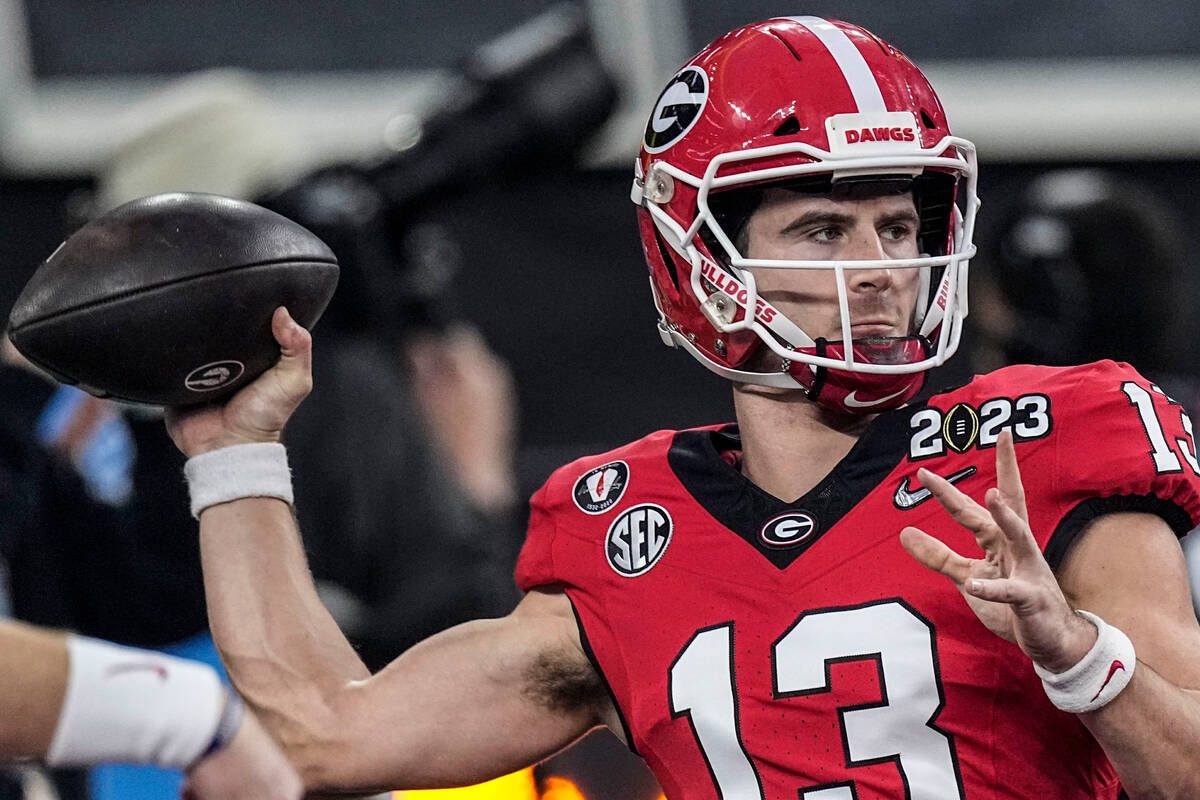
[[788, 530], [599, 490], [637, 539], [677, 109]]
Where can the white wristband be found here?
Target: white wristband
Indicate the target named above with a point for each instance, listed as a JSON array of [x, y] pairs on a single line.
[[1098, 677], [237, 471], [129, 705]]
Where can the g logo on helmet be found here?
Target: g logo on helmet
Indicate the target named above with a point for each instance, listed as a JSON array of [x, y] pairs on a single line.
[[637, 539], [677, 110]]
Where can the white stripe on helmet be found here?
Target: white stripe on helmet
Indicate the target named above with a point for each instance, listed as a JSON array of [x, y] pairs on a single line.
[[854, 67]]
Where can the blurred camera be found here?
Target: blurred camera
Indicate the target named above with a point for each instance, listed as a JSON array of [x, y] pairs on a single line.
[[525, 102]]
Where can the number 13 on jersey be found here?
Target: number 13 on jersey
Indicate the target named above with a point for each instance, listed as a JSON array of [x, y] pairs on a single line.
[[901, 728]]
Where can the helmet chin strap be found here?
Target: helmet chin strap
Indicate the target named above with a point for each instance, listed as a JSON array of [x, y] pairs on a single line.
[[855, 393], [860, 393]]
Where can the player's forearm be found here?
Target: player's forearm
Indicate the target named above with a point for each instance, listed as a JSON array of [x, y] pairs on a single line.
[[282, 649], [72, 701], [1151, 734], [33, 678]]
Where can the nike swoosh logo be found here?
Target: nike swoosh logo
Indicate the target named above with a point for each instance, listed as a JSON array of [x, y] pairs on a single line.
[[1113, 668], [157, 669], [853, 402], [906, 499]]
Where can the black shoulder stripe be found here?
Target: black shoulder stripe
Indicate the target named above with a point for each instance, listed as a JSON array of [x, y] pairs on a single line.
[[591, 656], [1081, 515]]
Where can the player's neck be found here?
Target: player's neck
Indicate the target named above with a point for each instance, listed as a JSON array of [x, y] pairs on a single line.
[[790, 443]]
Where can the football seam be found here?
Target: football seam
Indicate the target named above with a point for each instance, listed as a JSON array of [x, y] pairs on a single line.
[[165, 284]]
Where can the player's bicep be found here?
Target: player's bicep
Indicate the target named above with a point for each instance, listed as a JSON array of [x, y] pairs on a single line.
[[471, 703], [1129, 569]]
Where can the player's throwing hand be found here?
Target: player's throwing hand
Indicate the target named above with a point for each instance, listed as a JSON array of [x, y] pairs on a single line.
[[1011, 588], [258, 412]]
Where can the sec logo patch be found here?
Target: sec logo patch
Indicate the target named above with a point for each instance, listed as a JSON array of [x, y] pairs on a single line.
[[599, 490], [637, 539]]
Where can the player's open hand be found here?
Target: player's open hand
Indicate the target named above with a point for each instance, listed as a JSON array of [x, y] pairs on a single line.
[[259, 410], [466, 396], [1011, 588]]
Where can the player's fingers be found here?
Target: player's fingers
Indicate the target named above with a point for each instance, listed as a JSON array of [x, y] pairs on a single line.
[[962, 509], [1008, 475], [295, 342], [294, 371], [1013, 526], [293, 339], [934, 554], [997, 590]]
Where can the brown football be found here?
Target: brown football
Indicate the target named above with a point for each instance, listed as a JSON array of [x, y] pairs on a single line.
[[167, 300]]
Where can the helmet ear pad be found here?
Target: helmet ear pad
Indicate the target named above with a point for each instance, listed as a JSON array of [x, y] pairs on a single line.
[[670, 281]]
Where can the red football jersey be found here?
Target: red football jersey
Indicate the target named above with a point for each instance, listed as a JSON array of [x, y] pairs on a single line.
[[762, 649]]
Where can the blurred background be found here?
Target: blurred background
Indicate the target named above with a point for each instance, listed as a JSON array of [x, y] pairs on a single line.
[[540, 251], [545, 256], [470, 164]]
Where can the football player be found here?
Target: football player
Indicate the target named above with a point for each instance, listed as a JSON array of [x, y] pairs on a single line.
[[756, 608]]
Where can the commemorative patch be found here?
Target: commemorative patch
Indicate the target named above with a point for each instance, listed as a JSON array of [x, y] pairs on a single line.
[[599, 490], [637, 539], [964, 426]]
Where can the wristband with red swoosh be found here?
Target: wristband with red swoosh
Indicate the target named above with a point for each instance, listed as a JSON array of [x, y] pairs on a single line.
[[1098, 677]]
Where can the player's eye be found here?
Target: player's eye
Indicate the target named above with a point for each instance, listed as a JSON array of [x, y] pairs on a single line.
[[828, 233], [898, 232]]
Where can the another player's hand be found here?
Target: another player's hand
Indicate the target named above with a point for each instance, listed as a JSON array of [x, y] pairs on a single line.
[[259, 410], [1011, 588], [250, 767], [466, 396]]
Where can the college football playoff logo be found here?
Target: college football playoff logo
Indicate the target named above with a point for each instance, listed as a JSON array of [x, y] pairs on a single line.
[[961, 427], [599, 490], [677, 110]]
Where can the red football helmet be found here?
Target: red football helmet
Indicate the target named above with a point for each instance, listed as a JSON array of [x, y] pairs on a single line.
[[801, 101]]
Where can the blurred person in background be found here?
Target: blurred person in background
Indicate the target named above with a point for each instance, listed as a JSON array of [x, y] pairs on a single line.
[[1091, 265], [760, 609], [1088, 265], [414, 434]]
